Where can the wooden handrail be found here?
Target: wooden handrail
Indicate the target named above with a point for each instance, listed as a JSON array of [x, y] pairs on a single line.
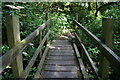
[[90, 61], [40, 65], [109, 54], [80, 62], [8, 57], [30, 64]]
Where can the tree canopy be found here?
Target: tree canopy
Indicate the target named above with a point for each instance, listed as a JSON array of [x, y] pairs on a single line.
[[90, 14]]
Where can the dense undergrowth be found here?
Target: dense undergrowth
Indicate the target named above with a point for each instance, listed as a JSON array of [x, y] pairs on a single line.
[[32, 15], [95, 26]]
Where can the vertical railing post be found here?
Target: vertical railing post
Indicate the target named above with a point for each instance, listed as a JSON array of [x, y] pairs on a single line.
[[40, 33], [107, 35], [13, 35], [40, 38], [81, 36], [47, 27], [76, 16]]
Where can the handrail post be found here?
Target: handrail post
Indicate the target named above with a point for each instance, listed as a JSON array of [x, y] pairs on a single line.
[[75, 26], [47, 27], [76, 16], [40, 33], [81, 35], [13, 36], [107, 35], [40, 38]]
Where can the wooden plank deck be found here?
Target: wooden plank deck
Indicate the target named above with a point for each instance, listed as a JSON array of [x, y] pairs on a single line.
[[60, 62]]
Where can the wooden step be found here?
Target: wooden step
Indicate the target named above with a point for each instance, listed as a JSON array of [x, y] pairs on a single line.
[[61, 51], [60, 62], [61, 68], [61, 41], [61, 45], [48, 74], [60, 48], [61, 57], [65, 63], [61, 54]]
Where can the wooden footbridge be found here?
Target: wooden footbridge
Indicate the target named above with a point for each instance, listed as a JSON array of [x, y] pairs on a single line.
[[63, 58]]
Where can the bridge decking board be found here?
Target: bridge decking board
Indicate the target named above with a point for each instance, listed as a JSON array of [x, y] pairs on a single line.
[[61, 68], [48, 74], [61, 54], [60, 62], [62, 50], [61, 57]]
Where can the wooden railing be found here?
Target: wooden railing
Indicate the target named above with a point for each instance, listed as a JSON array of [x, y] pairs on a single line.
[[14, 55], [107, 56]]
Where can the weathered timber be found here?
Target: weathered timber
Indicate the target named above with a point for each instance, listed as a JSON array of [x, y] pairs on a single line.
[[60, 54], [76, 18], [8, 57], [49, 74], [61, 47], [40, 36], [110, 55], [47, 27], [61, 68], [60, 61], [13, 35], [61, 51], [60, 57], [107, 35], [30, 64], [40, 65], [81, 64], [87, 57], [60, 42], [42, 60]]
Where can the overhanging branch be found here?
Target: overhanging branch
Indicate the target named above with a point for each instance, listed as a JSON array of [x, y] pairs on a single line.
[[111, 3]]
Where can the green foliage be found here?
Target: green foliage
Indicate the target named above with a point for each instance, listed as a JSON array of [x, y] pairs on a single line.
[[32, 15], [95, 26], [90, 76], [5, 48], [58, 25], [33, 70], [115, 13], [93, 52], [7, 76]]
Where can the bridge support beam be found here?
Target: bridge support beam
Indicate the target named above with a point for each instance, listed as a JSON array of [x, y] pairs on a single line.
[[107, 36], [13, 36]]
